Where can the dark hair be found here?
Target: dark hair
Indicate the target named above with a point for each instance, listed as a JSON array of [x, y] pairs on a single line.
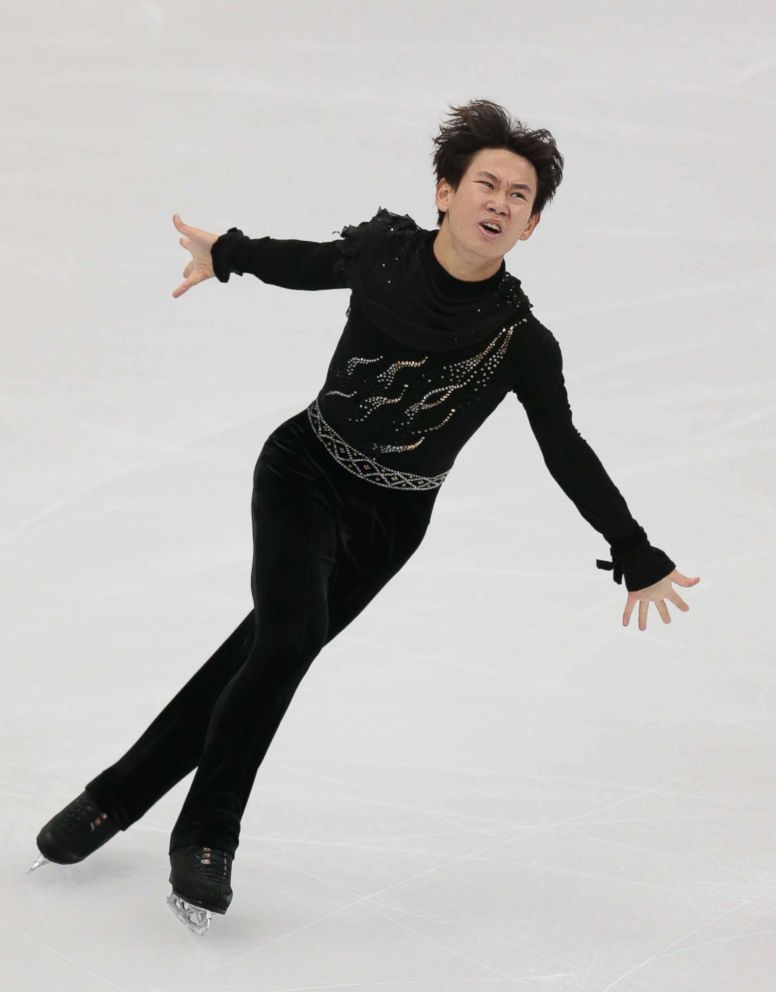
[[484, 124]]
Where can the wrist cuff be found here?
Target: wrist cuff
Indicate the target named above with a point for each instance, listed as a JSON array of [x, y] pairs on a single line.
[[221, 254], [640, 567]]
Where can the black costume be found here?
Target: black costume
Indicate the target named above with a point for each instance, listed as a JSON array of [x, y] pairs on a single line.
[[343, 492]]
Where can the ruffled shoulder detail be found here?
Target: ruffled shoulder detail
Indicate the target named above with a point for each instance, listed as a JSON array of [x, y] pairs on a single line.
[[360, 240], [383, 222]]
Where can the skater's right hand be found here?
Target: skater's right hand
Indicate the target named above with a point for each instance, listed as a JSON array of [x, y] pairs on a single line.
[[199, 243]]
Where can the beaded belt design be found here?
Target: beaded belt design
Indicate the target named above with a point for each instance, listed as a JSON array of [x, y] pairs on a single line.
[[358, 463]]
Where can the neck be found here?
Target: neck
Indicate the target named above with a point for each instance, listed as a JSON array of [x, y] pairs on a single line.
[[460, 267]]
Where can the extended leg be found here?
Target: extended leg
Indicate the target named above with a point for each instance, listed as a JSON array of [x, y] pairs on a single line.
[[170, 747], [295, 542], [309, 580]]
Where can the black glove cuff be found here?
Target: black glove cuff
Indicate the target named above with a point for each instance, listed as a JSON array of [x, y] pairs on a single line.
[[221, 254], [640, 567]]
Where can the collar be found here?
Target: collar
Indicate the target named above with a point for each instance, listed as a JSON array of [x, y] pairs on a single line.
[[395, 278], [451, 285]]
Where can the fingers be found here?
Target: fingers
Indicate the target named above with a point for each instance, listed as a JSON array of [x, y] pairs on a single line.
[[684, 580], [643, 607], [190, 280], [184, 242], [660, 603], [185, 285], [676, 598], [186, 228]]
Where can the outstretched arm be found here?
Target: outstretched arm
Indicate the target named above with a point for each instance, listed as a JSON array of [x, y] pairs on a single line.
[[647, 570], [288, 262]]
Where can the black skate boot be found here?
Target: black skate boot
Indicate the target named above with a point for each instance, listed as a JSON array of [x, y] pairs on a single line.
[[74, 833], [200, 879]]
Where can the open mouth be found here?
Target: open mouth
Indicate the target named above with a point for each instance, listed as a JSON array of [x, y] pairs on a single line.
[[486, 231]]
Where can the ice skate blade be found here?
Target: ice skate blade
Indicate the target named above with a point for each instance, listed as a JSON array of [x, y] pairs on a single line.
[[194, 918], [41, 861]]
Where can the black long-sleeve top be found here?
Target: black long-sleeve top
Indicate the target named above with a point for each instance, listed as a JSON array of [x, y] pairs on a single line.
[[423, 360]]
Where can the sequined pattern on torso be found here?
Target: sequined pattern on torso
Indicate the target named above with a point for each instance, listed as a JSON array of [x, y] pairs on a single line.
[[406, 425]]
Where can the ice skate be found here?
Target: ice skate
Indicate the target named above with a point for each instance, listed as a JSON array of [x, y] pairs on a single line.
[[200, 879], [74, 833]]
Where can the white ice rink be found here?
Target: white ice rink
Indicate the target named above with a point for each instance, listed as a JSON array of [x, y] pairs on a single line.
[[486, 782]]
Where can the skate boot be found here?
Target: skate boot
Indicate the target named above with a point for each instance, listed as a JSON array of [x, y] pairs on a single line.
[[200, 879], [75, 832]]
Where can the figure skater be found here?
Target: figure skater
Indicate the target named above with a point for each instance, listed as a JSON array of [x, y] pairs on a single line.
[[437, 334]]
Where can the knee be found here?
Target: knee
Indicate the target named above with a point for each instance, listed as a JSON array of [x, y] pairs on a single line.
[[287, 652]]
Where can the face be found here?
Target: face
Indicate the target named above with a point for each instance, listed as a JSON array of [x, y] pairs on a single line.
[[501, 196]]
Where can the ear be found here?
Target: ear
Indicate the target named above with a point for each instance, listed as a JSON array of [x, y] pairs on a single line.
[[530, 227], [442, 190]]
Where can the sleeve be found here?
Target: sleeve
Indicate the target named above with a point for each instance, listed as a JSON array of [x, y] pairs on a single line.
[[577, 469], [308, 264], [289, 263]]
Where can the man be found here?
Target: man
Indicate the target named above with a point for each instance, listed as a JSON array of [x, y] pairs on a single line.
[[438, 334]]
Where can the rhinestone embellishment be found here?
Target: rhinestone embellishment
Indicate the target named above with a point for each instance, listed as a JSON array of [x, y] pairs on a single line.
[[469, 374], [357, 463]]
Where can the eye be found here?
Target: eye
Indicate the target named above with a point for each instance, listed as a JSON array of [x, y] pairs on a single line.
[[491, 186]]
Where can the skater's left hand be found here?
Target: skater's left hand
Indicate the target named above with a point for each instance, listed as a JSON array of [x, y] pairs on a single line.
[[658, 593]]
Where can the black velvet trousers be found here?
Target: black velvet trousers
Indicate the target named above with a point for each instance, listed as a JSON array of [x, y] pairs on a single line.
[[325, 542]]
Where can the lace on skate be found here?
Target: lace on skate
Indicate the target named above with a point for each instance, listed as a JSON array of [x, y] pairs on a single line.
[[209, 867], [66, 834]]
